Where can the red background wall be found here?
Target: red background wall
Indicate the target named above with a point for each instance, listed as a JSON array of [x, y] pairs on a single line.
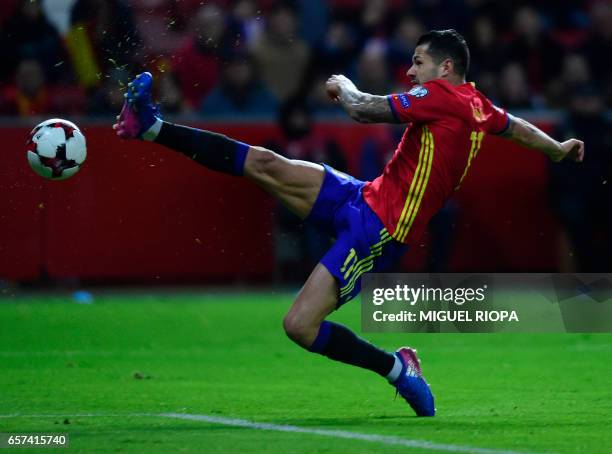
[[136, 212]]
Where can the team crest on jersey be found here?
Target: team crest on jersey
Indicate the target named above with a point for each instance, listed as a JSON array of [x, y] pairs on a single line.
[[477, 110], [419, 91], [404, 100]]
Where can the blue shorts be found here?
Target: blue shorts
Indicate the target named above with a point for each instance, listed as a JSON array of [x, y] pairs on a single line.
[[362, 242]]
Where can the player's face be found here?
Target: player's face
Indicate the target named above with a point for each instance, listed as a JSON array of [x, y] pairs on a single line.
[[423, 67]]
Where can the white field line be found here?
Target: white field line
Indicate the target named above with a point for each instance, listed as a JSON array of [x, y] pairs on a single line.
[[382, 439], [373, 438]]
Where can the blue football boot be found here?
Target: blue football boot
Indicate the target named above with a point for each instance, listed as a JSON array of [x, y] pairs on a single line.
[[139, 112], [412, 386]]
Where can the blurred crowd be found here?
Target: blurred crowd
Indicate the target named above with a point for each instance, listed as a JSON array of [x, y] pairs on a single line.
[[225, 58], [246, 59]]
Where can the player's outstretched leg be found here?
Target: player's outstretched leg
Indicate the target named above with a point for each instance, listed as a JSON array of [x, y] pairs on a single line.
[[140, 118], [295, 183], [305, 324]]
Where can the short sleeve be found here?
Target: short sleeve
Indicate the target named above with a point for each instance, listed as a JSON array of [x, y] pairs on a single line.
[[422, 103], [494, 120]]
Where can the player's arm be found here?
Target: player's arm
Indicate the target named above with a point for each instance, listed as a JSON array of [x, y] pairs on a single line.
[[362, 107], [528, 135]]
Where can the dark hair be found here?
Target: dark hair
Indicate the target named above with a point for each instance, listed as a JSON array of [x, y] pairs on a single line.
[[445, 44]]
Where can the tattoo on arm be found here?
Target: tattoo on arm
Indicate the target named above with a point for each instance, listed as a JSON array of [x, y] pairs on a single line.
[[528, 135], [366, 108]]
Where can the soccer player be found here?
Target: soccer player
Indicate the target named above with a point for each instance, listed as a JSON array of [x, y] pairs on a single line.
[[373, 222]]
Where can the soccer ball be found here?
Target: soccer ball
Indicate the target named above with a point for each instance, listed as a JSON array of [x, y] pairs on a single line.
[[56, 149]]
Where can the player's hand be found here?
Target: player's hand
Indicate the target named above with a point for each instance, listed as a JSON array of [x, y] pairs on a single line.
[[335, 84], [571, 149]]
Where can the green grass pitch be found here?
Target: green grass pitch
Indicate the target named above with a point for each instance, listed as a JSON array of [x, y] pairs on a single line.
[[129, 357]]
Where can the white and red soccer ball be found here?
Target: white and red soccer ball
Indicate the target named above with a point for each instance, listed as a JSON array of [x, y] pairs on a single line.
[[56, 149]]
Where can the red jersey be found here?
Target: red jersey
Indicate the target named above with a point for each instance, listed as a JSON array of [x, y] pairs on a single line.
[[444, 134]]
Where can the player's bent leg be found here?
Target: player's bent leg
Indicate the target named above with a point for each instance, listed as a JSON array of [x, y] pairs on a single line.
[[316, 300], [305, 324]]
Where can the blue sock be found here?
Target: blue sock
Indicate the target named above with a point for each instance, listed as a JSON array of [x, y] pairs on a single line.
[[340, 344], [212, 150]]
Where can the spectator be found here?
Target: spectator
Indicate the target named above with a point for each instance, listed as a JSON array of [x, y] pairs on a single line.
[[102, 37], [575, 73], [108, 98], [28, 96], [401, 47], [534, 49], [486, 57], [248, 20], [598, 46], [239, 92], [197, 64], [162, 25], [170, 94], [375, 19], [514, 89], [28, 35], [314, 19], [372, 75], [295, 121], [281, 55], [581, 194], [337, 50]]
